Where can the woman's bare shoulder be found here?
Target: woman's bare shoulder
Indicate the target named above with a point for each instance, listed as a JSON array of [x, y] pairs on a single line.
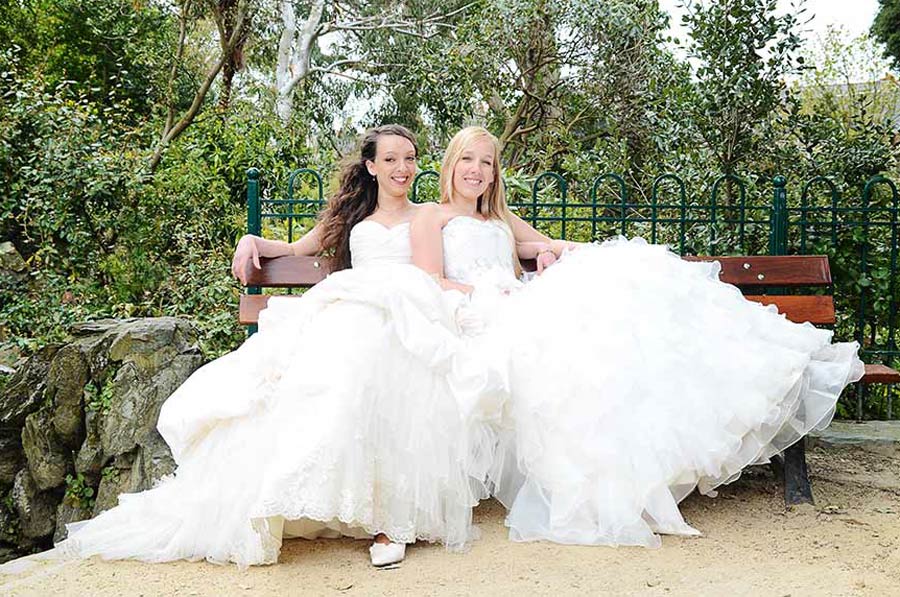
[[432, 213]]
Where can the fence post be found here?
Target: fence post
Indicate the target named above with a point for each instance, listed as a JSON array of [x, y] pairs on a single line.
[[254, 225], [253, 219], [779, 218]]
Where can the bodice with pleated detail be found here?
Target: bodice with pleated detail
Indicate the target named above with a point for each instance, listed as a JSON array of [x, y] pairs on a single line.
[[374, 243]]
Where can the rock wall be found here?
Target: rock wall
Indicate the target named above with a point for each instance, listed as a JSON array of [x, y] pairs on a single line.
[[78, 425], [13, 278]]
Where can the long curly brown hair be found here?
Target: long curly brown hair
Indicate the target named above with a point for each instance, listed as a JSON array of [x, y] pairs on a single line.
[[357, 195]]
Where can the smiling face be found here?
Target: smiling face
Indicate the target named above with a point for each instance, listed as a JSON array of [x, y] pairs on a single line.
[[394, 166], [473, 172]]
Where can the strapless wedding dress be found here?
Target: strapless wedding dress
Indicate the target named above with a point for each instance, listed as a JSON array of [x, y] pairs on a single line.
[[340, 416], [634, 377]]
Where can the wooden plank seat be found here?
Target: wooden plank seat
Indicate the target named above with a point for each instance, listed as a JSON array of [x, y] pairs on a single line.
[[754, 275], [280, 272]]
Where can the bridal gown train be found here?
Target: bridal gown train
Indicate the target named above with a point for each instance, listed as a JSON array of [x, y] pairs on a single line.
[[591, 400], [634, 377], [340, 416]]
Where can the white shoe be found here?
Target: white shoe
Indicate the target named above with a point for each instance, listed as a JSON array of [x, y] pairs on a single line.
[[383, 554]]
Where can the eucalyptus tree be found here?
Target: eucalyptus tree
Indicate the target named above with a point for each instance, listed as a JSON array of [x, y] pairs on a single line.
[[742, 49], [342, 28], [550, 79], [232, 20], [886, 28]]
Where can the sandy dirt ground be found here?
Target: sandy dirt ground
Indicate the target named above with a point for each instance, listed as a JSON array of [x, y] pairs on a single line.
[[847, 544]]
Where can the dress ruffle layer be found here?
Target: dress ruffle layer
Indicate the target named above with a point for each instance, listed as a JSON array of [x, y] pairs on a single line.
[[341, 416], [590, 400], [636, 377]]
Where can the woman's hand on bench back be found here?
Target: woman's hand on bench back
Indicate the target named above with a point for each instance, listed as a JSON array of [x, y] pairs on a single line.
[[251, 247], [246, 252]]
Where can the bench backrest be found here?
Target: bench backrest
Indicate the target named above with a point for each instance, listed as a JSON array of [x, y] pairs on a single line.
[[756, 275], [753, 275], [280, 272]]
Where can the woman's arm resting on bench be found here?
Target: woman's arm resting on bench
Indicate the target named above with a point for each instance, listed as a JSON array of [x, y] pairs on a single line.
[[250, 248], [531, 244]]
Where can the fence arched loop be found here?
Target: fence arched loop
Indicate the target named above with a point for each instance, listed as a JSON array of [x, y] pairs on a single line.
[[623, 199], [303, 171], [872, 183], [654, 196], [809, 183], [563, 187], [418, 180]]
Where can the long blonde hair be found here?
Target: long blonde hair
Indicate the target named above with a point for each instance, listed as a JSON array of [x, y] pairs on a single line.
[[492, 203]]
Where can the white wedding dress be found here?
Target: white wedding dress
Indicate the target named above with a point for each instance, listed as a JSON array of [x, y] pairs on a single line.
[[591, 400], [340, 416], [635, 377]]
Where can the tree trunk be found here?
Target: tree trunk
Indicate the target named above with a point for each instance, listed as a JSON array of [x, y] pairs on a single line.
[[172, 128], [293, 67]]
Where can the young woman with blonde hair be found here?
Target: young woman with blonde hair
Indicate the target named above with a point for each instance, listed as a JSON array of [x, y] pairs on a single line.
[[633, 375], [472, 188]]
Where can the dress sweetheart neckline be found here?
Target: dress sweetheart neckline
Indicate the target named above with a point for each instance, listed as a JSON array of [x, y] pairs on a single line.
[[377, 223], [480, 221], [401, 224]]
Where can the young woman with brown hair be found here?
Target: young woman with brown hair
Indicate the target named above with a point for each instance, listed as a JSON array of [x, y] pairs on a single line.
[[340, 417]]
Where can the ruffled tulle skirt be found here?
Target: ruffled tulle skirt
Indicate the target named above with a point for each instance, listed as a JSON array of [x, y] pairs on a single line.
[[636, 377], [340, 416]]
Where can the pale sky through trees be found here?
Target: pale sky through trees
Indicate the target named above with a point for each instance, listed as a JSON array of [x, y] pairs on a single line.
[[855, 15], [853, 18]]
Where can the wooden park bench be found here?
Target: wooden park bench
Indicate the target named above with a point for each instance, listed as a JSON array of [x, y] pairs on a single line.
[[758, 277]]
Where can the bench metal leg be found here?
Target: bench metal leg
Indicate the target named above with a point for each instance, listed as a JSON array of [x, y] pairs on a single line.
[[776, 465], [797, 489]]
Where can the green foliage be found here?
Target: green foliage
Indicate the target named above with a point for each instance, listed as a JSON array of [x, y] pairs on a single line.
[[8, 501], [100, 238], [112, 52], [839, 119], [886, 28], [583, 88], [79, 493], [109, 474], [743, 49], [98, 399]]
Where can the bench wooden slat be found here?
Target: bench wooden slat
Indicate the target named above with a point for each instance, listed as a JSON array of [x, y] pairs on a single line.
[[880, 374], [816, 309], [289, 272], [790, 270], [251, 305], [781, 270]]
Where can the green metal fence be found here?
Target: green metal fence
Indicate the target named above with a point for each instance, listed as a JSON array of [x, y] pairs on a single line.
[[730, 216]]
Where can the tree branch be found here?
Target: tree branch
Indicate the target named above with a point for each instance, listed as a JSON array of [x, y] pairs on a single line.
[[400, 25], [310, 31], [173, 73], [171, 133], [513, 123]]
